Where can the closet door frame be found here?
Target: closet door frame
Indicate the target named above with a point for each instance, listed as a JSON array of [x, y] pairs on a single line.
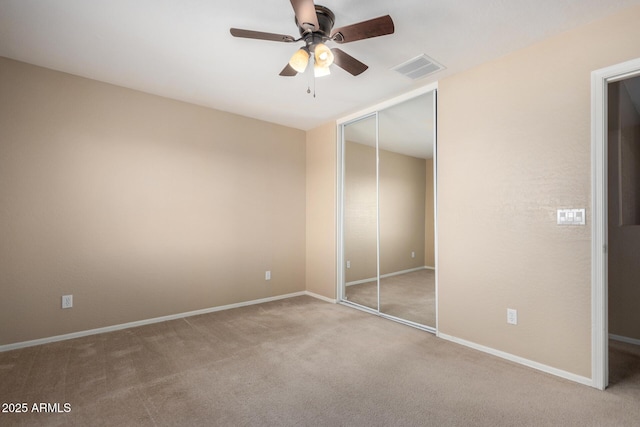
[[340, 151]]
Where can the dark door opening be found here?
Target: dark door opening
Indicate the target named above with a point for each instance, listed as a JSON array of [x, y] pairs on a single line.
[[623, 230]]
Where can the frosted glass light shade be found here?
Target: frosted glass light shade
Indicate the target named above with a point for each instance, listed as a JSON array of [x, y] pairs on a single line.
[[299, 60], [320, 71], [323, 55]]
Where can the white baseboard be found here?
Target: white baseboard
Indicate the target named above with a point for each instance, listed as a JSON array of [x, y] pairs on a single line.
[[359, 282], [624, 339], [382, 276], [79, 334], [321, 297], [521, 360]]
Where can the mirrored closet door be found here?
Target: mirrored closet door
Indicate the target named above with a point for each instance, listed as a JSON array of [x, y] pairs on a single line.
[[388, 212]]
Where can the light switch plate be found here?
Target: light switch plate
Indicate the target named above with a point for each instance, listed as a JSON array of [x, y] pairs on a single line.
[[571, 216]]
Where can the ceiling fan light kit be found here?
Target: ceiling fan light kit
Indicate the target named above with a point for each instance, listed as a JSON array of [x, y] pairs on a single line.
[[323, 55], [320, 71], [300, 60], [315, 24]]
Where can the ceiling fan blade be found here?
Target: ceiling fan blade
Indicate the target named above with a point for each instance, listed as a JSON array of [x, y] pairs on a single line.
[[305, 11], [364, 30], [249, 34], [348, 62], [288, 71]]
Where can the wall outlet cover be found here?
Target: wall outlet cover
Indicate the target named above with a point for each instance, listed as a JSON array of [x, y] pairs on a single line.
[[67, 301]]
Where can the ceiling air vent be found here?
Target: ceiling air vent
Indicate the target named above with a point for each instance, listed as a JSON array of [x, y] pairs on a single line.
[[418, 67]]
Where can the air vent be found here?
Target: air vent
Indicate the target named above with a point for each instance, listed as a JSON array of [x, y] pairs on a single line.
[[418, 67]]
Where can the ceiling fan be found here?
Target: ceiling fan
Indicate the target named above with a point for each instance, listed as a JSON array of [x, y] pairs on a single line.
[[315, 24]]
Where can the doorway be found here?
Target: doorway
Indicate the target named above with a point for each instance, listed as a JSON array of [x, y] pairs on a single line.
[[616, 217], [623, 228], [387, 234]]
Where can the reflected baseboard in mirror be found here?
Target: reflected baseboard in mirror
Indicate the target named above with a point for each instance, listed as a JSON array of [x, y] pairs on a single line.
[[410, 296]]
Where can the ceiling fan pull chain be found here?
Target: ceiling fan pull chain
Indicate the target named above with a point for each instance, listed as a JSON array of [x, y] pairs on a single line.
[[306, 71], [312, 74], [309, 72]]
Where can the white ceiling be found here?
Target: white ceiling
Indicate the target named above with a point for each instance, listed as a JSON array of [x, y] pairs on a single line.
[[183, 49]]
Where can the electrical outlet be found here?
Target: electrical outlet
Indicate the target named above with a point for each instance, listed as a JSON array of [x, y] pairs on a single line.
[[413, 254], [67, 301], [512, 316], [348, 264], [267, 275]]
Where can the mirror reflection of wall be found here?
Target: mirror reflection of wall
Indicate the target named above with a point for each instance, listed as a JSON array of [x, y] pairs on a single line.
[[404, 211], [360, 212]]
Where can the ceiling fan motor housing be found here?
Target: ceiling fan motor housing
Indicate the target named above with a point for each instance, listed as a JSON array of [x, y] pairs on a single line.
[[326, 19]]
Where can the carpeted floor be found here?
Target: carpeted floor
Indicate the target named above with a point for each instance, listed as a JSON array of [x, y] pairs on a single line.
[[298, 362], [409, 296]]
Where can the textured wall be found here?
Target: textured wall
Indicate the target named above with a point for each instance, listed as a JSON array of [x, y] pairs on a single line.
[[514, 146], [138, 205], [321, 211]]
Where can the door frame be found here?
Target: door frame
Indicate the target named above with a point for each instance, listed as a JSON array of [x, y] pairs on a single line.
[[340, 267], [599, 238]]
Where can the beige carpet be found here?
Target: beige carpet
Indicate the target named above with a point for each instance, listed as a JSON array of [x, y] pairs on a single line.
[[409, 296], [298, 362]]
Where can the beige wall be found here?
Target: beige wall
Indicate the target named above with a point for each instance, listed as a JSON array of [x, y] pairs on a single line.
[[624, 239], [321, 211], [429, 217], [139, 206], [514, 146]]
